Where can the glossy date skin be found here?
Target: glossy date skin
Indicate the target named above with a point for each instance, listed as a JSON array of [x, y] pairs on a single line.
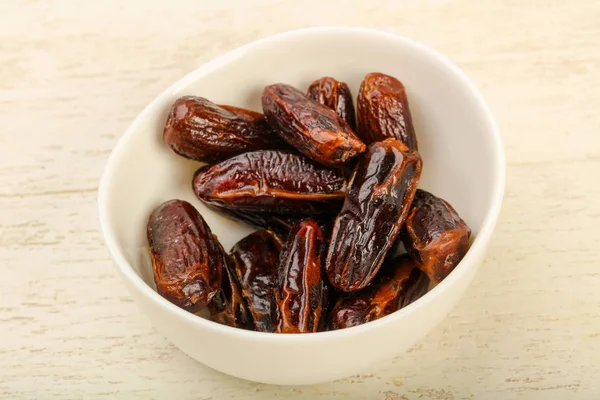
[[198, 129], [399, 284], [259, 123], [270, 181], [335, 95], [255, 259], [380, 193], [300, 291], [383, 111], [310, 127], [434, 235], [228, 307], [187, 259]]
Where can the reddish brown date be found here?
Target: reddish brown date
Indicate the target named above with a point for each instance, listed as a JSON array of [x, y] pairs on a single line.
[[434, 235], [228, 307], [383, 111], [187, 258], [200, 130], [259, 123], [271, 182], [398, 285], [300, 292], [252, 117], [312, 128], [335, 95], [255, 258], [381, 190]]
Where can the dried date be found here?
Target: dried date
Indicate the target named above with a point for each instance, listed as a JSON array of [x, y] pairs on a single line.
[[335, 95], [383, 111], [252, 117], [397, 285], [312, 128], [187, 259], [434, 235], [198, 129], [259, 123], [270, 181], [300, 291], [228, 307], [255, 258], [380, 193]]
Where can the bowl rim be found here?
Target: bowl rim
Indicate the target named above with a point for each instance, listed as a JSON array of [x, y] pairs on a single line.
[[478, 245]]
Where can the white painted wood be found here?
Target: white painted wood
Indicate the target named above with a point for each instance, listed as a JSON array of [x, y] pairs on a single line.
[[73, 76]]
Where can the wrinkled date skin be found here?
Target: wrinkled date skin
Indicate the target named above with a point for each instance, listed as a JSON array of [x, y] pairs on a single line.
[[259, 123], [378, 201], [200, 130], [312, 128], [434, 235], [270, 181], [228, 307], [383, 111], [300, 292], [187, 258], [399, 284], [335, 95], [256, 258]]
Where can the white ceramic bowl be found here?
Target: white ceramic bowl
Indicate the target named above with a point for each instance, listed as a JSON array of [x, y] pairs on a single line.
[[463, 162]]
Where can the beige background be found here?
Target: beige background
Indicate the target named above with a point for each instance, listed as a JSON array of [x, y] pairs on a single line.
[[73, 76]]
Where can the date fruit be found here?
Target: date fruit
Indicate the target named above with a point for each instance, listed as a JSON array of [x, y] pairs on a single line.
[[187, 258], [335, 95], [383, 111], [255, 259], [271, 181], [259, 122], [228, 307], [198, 129], [434, 235], [300, 291], [312, 128], [398, 284], [381, 191]]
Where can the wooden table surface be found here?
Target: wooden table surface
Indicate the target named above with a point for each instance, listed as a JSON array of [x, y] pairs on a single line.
[[74, 74]]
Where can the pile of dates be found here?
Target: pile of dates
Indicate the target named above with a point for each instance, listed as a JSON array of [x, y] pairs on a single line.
[[333, 195]]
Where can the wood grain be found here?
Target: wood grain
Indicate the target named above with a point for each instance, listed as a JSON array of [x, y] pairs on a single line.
[[72, 77]]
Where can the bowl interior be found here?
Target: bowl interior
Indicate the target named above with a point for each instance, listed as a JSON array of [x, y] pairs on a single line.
[[455, 132]]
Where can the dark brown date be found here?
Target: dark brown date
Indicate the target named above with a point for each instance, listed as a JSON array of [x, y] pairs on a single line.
[[255, 258], [381, 190], [383, 111], [200, 130], [434, 235], [259, 123], [335, 95], [300, 292], [187, 258], [228, 307], [398, 285], [312, 128], [270, 181]]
